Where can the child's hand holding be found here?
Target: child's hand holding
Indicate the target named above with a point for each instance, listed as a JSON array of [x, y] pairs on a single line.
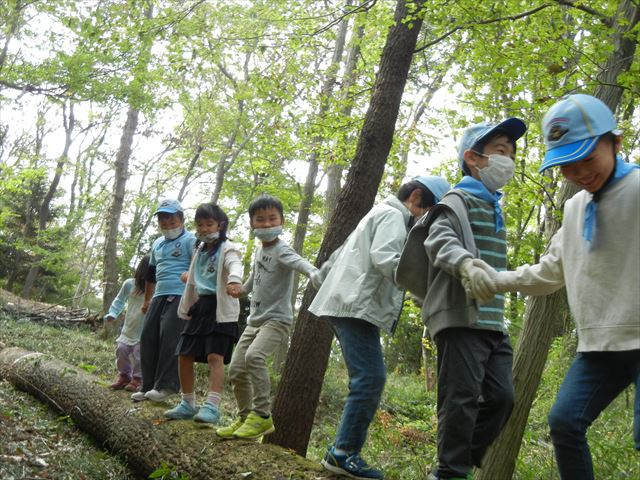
[[234, 290], [477, 281], [184, 276]]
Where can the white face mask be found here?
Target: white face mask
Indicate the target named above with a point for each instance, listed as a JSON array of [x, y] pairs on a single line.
[[498, 172], [209, 237], [171, 233], [268, 234]]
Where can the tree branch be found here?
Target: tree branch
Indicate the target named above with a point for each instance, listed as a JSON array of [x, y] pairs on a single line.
[[602, 17], [482, 22]]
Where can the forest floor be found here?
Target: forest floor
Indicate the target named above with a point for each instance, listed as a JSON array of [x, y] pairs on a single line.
[[36, 442]]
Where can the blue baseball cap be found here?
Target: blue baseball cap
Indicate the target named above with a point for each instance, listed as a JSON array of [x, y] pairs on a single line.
[[512, 127], [572, 128], [168, 205], [436, 185]]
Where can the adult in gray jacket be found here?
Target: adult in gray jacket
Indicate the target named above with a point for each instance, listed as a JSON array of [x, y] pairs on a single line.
[[358, 298]]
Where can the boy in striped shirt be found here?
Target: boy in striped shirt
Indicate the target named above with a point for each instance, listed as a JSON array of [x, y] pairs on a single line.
[[475, 384]]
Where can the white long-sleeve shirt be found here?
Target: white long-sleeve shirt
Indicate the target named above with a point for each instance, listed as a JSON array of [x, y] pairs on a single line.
[[602, 279]]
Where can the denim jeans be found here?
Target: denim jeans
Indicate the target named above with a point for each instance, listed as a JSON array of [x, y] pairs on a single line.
[[360, 344], [592, 382]]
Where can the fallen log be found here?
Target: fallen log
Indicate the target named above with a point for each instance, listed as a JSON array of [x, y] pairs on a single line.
[[139, 434]]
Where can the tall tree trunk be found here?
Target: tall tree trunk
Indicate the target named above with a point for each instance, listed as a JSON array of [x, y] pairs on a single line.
[[45, 207], [334, 170], [299, 389], [192, 165], [109, 263], [304, 210], [544, 314]]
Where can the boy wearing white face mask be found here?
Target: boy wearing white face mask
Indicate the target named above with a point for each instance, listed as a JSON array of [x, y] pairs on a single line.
[[169, 259], [475, 385], [269, 322]]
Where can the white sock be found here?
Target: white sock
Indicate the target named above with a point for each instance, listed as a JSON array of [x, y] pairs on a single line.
[[214, 398], [190, 398]]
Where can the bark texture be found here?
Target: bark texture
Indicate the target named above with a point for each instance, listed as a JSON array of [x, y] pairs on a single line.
[[139, 434]]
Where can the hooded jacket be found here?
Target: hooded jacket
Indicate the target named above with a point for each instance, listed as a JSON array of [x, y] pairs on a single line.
[[359, 276]]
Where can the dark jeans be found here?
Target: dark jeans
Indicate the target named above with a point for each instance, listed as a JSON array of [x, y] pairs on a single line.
[[362, 353], [158, 341], [592, 382], [475, 395]]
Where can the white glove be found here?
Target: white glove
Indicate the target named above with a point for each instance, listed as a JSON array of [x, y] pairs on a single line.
[[476, 281], [502, 281], [316, 279]]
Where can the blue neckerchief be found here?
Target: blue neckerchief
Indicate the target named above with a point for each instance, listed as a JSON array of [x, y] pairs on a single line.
[[622, 169], [477, 188]]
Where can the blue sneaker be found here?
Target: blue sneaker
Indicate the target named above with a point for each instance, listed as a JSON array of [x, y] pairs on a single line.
[[183, 411], [208, 413], [352, 465]]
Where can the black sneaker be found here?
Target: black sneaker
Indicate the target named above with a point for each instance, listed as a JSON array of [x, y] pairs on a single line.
[[351, 465]]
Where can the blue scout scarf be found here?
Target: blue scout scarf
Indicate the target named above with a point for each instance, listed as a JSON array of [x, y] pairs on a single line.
[[622, 169], [477, 188]]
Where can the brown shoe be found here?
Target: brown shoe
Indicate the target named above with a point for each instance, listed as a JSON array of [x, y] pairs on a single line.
[[134, 385], [121, 382]]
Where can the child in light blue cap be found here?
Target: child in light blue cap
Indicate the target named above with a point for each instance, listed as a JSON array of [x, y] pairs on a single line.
[[169, 261], [475, 386], [596, 255]]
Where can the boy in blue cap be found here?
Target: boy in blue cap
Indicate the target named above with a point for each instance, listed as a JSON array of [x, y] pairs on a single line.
[[359, 298], [475, 386], [170, 258], [596, 255]]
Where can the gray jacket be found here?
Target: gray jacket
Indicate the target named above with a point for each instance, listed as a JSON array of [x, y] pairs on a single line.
[[437, 245], [359, 276]]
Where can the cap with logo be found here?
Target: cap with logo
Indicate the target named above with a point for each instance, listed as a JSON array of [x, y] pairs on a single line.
[[512, 127], [168, 205], [572, 128], [436, 185]]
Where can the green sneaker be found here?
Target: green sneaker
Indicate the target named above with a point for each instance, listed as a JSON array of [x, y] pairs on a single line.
[[255, 426], [228, 431]]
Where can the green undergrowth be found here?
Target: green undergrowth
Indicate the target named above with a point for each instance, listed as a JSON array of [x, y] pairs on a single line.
[[402, 437]]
